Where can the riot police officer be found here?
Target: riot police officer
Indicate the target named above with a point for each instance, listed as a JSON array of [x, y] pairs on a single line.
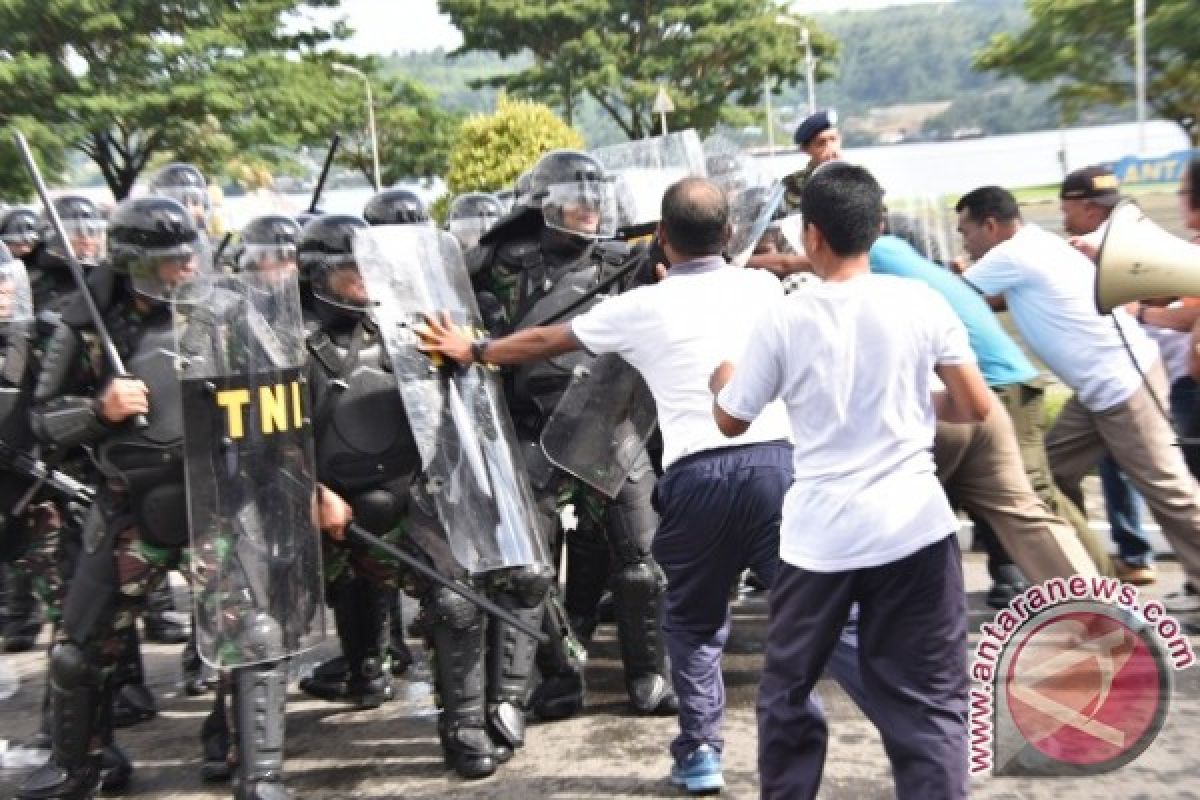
[[18, 231], [471, 215], [138, 522], [398, 206], [534, 264], [187, 185]]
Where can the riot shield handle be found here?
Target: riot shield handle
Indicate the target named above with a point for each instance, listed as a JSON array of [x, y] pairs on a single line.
[[316, 197], [106, 342], [432, 574]]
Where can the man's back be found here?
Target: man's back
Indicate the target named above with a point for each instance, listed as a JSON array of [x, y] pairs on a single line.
[[674, 333]]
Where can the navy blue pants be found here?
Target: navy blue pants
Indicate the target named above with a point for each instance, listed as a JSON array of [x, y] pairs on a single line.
[[719, 514], [910, 678]]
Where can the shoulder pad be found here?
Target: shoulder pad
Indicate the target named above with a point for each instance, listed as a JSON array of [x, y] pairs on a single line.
[[101, 283], [478, 257], [611, 251], [521, 253]]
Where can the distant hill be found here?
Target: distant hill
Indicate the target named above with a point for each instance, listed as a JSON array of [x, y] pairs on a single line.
[[902, 55]]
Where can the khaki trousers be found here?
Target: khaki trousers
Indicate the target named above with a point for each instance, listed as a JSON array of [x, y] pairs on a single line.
[[981, 469], [1143, 444]]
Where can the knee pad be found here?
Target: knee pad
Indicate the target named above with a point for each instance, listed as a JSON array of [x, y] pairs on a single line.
[[529, 585], [643, 579], [451, 609], [71, 666]]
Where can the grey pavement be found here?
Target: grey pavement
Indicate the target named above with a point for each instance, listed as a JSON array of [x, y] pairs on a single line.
[[392, 752]]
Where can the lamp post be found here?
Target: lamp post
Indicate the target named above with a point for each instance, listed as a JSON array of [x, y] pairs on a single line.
[[1139, 38], [370, 116], [810, 63]]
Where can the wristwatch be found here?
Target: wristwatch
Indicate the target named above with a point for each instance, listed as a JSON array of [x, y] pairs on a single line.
[[479, 350]]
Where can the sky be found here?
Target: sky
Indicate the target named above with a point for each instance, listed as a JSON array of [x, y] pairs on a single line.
[[384, 26]]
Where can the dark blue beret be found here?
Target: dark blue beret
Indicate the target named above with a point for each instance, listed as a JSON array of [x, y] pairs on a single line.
[[814, 124]]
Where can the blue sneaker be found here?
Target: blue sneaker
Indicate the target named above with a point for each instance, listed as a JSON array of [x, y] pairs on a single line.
[[699, 772]]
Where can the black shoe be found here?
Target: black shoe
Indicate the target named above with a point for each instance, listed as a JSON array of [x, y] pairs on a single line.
[[400, 659], [1008, 583], [214, 739], [116, 769], [333, 683], [21, 635], [273, 789], [558, 696], [132, 704], [161, 629], [53, 782], [468, 750]]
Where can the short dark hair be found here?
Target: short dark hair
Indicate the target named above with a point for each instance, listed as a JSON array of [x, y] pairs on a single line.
[[989, 201], [695, 217], [845, 203]]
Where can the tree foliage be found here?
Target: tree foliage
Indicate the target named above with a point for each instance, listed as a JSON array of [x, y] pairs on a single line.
[[1085, 49], [713, 55], [493, 149], [199, 80]]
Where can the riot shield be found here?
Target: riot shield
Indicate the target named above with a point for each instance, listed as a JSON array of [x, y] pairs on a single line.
[[926, 223], [750, 213], [600, 426], [469, 456], [250, 470], [643, 170]]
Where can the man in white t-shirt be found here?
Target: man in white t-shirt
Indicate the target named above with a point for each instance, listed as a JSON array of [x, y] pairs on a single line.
[[1114, 367], [719, 499], [866, 521]]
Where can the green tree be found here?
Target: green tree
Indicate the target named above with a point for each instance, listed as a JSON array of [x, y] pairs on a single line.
[[126, 82], [493, 149], [1085, 48], [15, 184], [713, 55], [415, 133]]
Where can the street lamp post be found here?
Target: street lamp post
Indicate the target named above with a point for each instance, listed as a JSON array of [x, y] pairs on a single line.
[[770, 117], [370, 116], [810, 63], [1139, 38]]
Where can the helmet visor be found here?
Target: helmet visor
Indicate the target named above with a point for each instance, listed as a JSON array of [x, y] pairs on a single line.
[[336, 280], [88, 239], [16, 298], [276, 259], [163, 273], [468, 230], [582, 208]]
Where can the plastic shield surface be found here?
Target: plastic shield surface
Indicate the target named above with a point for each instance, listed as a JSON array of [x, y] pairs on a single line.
[[750, 213], [644, 168], [471, 463], [600, 426], [251, 475]]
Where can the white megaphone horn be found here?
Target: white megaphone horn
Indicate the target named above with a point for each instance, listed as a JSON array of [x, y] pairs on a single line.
[[1138, 260]]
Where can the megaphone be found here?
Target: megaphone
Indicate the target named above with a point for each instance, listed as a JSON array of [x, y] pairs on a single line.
[[1138, 260]]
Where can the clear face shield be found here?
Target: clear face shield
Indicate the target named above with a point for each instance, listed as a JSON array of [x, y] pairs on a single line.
[[274, 262], [193, 198], [16, 298], [20, 242], [582, 208], [88, 239], [468, 230], [170, 274], [337, 281]]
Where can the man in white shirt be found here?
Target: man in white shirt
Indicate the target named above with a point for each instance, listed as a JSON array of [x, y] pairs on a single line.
[[1114, 367], [866, 521], [719, 500]]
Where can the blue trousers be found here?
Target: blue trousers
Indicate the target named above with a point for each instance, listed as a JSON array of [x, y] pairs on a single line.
[[719, 514]]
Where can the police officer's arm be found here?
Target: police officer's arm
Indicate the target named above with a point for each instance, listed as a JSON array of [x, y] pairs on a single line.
[[65, 414], [531, 344], [333, 512]]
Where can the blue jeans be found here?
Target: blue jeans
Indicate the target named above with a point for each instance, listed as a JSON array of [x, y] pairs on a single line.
[[1122, 504]]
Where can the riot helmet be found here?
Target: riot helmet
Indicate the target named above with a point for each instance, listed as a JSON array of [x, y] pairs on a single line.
[[520, 190], [154, 240], [16, 298], [575, 194], [326, 256], [19, 230], [471, 215], [186, 185], [396, 207], [84, 224], [268, 245]]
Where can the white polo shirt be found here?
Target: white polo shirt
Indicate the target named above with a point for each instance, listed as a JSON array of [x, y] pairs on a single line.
[[853, 362], [1050, 287], [675, 333]]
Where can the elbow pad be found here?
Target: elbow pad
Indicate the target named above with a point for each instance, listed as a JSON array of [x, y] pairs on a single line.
[[68, 422]]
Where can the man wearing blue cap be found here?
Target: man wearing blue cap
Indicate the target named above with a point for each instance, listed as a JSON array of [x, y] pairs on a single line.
[[817, 136]]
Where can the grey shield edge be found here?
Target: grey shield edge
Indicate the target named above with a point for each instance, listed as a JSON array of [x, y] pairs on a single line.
[[750, 214]]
